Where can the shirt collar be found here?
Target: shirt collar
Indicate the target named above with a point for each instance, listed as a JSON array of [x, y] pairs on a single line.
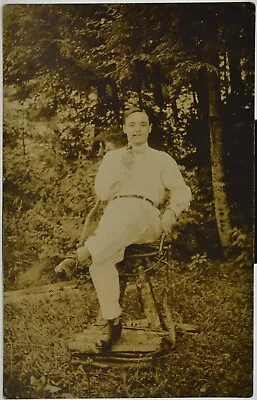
[[140, 149]]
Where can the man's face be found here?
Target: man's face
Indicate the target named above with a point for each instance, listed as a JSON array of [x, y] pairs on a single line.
[[137, 128]]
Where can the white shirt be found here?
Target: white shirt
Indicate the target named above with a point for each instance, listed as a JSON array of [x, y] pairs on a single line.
[[150, 174]]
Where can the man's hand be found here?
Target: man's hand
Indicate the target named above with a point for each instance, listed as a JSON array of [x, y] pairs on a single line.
[[127, 158], [169, 219]]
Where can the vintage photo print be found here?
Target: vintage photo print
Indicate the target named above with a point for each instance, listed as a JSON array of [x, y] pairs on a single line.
[[128, 166]]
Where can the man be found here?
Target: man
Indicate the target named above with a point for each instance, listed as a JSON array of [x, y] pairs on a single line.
[[132, 180]]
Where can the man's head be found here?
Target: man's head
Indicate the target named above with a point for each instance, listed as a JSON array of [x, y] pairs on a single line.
[[136, 126]]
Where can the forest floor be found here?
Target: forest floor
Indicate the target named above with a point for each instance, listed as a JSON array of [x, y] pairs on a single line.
[[216, 362]]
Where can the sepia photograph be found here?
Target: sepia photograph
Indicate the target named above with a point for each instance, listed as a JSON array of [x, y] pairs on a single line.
[[128, 200]]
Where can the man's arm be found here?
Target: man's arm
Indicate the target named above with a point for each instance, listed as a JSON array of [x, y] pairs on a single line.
[[180, 193], [109, 176]]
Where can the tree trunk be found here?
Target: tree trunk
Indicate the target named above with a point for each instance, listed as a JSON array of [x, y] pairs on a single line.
[[202, 140], [234, 60], [217, 167]]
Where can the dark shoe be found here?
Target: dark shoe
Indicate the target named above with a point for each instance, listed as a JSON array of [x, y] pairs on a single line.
[[111, 334], [66, 268]]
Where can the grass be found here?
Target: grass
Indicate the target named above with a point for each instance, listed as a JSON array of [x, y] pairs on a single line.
[[217, 362]]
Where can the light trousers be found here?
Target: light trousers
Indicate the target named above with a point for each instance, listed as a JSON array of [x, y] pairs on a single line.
[[125, 221]]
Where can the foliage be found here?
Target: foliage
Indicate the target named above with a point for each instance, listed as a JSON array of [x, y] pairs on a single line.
[[45, 203], [70, 113], [242, 244]]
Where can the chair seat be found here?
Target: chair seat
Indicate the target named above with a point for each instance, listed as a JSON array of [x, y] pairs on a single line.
[[140, 255], [145, 250]]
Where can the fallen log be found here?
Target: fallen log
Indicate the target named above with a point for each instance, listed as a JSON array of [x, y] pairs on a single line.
[[53, 292]]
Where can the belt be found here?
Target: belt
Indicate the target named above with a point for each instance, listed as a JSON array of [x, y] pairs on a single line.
[[135, 196]]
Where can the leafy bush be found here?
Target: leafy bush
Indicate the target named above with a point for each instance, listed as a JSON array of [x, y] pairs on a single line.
[[242, 247], [45, 203]]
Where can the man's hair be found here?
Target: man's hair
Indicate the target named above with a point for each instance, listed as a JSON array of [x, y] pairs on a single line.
[[133, 110]]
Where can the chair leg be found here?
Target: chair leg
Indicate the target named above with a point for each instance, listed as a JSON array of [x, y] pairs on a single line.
[[170, 292], [169, 322], [147, 299], [123, 284]]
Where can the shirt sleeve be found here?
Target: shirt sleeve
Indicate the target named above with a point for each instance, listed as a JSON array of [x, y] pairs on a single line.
[[180, 193], [110, 174]]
